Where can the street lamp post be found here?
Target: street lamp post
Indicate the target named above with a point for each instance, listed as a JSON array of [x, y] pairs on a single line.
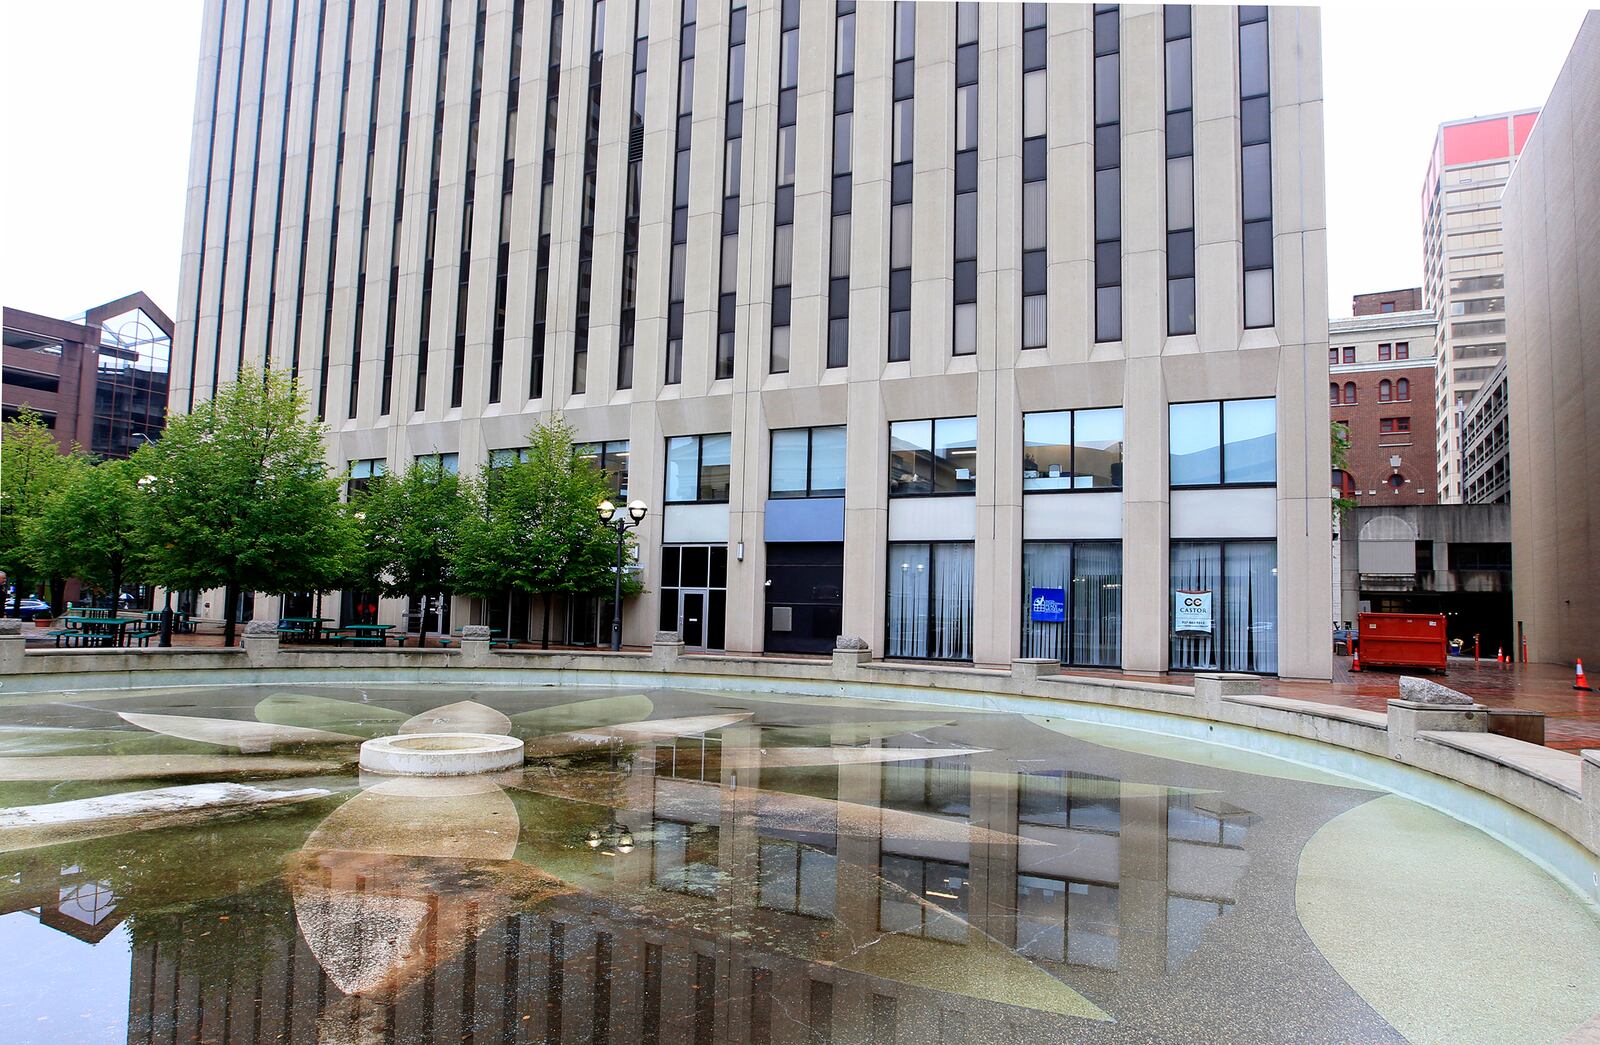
[[621, 523]]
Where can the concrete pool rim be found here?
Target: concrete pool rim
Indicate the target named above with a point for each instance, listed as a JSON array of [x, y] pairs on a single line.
[[1541, 802]]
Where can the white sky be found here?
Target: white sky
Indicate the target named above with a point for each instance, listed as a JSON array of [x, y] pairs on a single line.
[[98, 95]]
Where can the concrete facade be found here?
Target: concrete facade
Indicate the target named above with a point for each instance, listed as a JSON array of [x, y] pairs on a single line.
[[1380, 387], [1486, 450], [246, 78], [1464, 267], [1552, 251]]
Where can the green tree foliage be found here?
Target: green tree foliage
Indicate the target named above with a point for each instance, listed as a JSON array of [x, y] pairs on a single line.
[[32, 468], [410, 524], [532, 527], [1339, 455], [241, 498], [89, 528]]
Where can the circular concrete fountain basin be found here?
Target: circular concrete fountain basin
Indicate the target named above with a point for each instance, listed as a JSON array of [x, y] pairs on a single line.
[[441, 754]]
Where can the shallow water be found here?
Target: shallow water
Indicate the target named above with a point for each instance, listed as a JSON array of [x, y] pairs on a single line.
[[683, 867]]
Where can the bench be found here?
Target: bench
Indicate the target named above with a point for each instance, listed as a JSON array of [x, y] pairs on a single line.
[[143, 637], [69, 635]]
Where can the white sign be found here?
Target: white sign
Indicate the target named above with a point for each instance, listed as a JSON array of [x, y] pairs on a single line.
[[1191, 612]]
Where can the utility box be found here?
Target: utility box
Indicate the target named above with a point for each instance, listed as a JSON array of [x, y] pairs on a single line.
[[1403, 640]]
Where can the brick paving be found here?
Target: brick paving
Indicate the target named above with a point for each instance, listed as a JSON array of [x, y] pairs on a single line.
[[1572, 717]]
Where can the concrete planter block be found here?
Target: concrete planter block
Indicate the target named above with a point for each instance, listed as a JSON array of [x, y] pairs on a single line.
[[475, 644], [665, 649], [1408, 718], [1031, 669], [261, 642], [847, 661], [12, 645], [1210, 688]]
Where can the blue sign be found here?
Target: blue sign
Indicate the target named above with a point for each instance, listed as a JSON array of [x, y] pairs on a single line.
[[1049, 604]]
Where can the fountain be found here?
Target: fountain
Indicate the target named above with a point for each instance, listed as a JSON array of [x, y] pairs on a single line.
[[441, 754]]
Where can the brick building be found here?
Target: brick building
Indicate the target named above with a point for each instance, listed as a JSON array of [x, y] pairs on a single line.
[[1382, 302], [1380, 387], [98, 380]]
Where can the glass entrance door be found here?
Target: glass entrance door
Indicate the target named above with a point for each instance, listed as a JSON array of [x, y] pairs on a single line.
[[692, 618]]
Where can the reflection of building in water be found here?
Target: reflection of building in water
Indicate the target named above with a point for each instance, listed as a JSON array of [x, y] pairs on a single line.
[[756, 896], [64, 898]]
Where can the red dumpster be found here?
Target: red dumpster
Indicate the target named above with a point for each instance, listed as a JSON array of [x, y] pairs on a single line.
[[1403, 640]]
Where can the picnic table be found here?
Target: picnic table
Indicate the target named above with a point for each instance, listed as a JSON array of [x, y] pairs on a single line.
[[97, 630], [302, 629], [371, 634]]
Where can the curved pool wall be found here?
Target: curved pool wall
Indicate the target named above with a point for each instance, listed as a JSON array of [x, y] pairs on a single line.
[[1544, 804]]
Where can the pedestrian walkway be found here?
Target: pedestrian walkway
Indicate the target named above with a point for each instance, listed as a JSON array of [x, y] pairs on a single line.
[[1572, 717]]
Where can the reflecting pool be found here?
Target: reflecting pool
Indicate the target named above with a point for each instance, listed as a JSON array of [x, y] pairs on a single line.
[[674, 866]]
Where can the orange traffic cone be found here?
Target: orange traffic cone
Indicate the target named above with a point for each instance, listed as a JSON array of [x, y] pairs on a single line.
[[1355, 658], [1582, 681], [1500, 655]]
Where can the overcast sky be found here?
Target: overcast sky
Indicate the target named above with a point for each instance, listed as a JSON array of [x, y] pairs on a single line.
[[98, 96]]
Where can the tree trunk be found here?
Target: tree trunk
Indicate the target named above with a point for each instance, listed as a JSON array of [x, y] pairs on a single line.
[[422, 625], [544, 641], [230, 613], [116, 592], [58, 595]]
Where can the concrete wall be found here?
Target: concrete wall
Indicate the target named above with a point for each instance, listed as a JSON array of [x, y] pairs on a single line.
[[1552, 207]]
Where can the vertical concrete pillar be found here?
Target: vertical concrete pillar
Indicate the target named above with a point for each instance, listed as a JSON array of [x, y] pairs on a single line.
[[12, 645]]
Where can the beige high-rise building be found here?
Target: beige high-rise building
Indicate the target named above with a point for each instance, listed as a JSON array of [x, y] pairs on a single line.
[[973, 330], [1552, 213], [1464, 268]]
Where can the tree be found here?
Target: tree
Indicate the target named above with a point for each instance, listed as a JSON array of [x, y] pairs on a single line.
[[1339, 454], [32, 467], [240, 497], [532, 527], [410, 524], [89, 527]]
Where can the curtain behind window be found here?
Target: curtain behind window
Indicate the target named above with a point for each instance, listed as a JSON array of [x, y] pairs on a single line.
[[1196, 567], [908, 599], [952, 601], [930, 601], [1044, 566], [1250, 604], [1096, 605]]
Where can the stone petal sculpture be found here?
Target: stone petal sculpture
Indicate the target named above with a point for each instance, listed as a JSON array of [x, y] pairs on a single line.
[[27, 827], [309, 711], [464, 716], [249, 737]]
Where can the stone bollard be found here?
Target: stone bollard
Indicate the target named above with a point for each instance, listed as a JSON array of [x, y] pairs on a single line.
[[1426, 706], [12, 645], [665, 649], [475, 645], [1028, 670], [849, 653], [261, 643], [1211, 687]]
